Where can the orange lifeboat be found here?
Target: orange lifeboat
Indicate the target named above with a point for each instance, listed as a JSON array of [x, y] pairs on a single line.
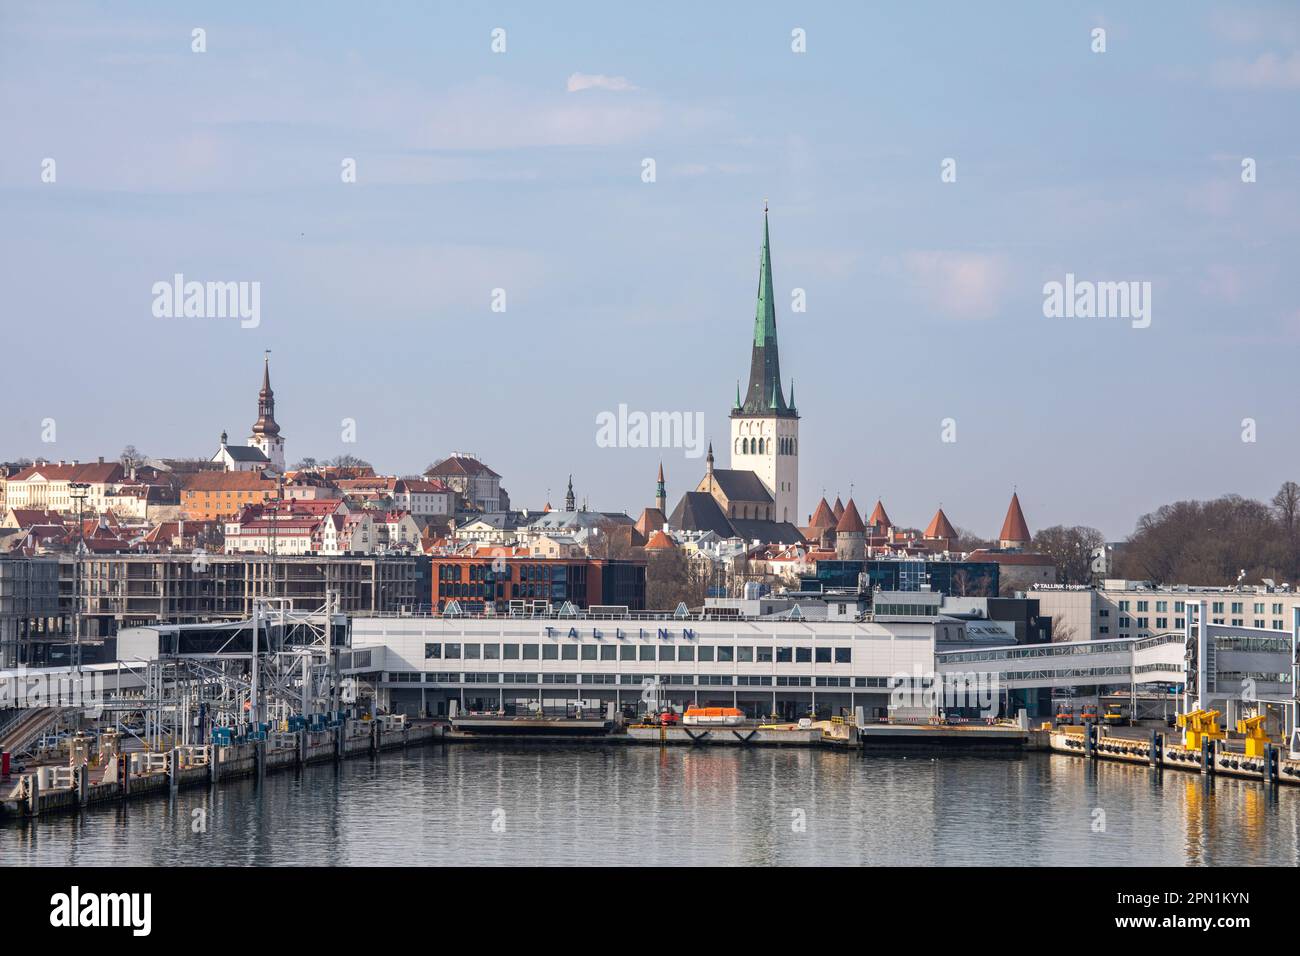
[[715, 716]]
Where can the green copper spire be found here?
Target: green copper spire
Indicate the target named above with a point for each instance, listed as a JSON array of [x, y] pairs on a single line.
[[763, 396], [737, 405], [765, 313], [791, 394]]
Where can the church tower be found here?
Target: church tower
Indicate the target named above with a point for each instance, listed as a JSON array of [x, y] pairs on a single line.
[[764, 427], [266, 433]]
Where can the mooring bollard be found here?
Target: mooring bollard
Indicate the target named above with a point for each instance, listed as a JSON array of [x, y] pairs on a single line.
[[1271, 764], [1089, 740], [1207, 756], [374, 736], [302, 747], [1157, 749], [83, 785], [173, 770], [33, 795], [338, 742], [259, 759]]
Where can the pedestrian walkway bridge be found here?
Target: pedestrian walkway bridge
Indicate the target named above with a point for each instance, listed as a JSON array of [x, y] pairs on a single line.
[[1148, 660]]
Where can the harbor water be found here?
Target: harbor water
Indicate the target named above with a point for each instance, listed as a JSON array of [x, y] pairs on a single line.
[[503, 803]]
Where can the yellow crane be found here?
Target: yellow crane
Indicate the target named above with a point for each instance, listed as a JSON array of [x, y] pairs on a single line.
[[1256, 738], [1199, 725]]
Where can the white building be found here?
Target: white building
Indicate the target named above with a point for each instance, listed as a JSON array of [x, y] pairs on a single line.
[[1134, 609], [761, 666]]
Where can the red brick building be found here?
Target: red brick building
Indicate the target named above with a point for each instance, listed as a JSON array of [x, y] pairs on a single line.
[[473, 580]]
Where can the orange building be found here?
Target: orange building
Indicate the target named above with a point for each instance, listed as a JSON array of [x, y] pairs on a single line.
[[209, 495]]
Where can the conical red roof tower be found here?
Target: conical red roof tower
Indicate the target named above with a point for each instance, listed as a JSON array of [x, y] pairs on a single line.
[[1015, 530]]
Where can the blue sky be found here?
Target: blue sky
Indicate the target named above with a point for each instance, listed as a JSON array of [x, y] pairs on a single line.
[[479, 171]]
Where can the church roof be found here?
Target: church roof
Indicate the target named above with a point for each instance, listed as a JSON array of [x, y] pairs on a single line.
[[1015, 528], [851, 520], [823, 517], [246, 453], [699, 511], [741, 485], [940, 526], [768, 532], [764, 396]]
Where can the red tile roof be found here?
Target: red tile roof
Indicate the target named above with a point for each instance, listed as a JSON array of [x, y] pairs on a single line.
[[95, 473], [823, 517], [878, 517], [940, 526], [1014, 528], [850, 521], [660, 542]]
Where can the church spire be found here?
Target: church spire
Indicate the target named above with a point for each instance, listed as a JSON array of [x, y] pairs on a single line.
[[764, 394], [569, 504], [265, 424], [661, 493]]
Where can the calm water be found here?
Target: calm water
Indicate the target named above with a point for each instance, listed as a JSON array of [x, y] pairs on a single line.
[[437, 806]]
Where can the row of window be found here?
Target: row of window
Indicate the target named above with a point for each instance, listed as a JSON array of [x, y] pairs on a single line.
[[723, 654], [636, 680], [1216, 607]]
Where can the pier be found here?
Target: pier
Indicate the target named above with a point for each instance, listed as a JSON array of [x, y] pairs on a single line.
[[118, 775]]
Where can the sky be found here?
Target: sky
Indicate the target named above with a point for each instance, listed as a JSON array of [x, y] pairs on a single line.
[[524, 170]]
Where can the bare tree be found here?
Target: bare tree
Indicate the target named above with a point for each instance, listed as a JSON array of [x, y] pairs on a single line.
[[1070, 550]]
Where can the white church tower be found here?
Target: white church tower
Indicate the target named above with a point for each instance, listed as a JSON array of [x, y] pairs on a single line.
[[764, 428]]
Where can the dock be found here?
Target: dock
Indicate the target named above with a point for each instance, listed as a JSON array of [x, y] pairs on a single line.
[[1213, 758], [127, 774]]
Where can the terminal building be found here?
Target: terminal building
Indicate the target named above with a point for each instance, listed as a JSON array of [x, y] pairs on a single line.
[[418, 665]]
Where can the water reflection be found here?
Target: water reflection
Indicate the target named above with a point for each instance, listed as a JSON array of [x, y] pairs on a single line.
[[471, 804]]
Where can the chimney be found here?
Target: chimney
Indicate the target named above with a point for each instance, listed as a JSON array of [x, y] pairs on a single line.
[[101, 459]]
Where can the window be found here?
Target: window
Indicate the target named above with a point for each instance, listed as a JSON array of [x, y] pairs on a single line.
[[745, 655], [472, 652], [823, 655], [666, 652], [685, 653], [784, 655], [843, 655], [589, 652], [706, 653], [803, 655], [726, 654], [510, 652], [453, 652], [432, 652], [530, 652], [608, 652], [626, 652], [647, 652], [570, 652], [764, 655], [550, 652]]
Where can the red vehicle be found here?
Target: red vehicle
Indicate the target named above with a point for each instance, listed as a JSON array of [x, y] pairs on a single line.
[[668, 717]]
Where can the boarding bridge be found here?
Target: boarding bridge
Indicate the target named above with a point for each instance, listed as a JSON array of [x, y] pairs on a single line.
[[1147, 660]]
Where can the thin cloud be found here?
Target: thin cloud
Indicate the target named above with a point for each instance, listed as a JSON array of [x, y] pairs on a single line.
[[1268, 71], [959, 285], [599, 81]]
